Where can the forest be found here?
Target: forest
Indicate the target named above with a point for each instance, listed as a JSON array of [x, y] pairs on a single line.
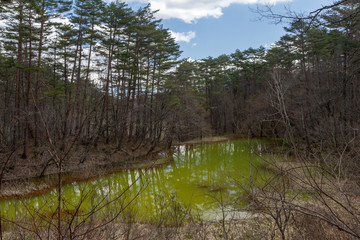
[[87, 74], [103, 73]]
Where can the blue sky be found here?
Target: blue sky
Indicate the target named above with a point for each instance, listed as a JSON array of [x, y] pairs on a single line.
[[213, 27]]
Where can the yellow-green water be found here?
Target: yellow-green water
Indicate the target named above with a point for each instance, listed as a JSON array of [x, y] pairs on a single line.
[[199, 178]]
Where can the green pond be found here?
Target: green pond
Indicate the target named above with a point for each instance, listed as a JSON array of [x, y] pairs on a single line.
[[200, 177]]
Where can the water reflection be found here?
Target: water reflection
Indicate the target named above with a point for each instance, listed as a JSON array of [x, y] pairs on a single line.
[[197, 175]]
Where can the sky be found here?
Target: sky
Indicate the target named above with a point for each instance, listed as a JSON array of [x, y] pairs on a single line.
[[206, 28]]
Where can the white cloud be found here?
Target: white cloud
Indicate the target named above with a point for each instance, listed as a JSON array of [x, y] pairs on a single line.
[[183, 36], [2, 23], [191, 10]]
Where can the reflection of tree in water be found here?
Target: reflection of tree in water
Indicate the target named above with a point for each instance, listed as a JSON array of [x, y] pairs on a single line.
[[196, 174]]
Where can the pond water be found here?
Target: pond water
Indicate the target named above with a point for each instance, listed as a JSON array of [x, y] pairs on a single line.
[[200, 177]]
